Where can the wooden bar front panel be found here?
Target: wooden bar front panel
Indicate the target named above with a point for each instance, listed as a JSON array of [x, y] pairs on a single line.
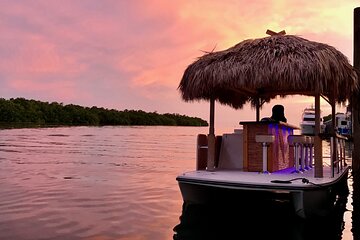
[[280, 155]]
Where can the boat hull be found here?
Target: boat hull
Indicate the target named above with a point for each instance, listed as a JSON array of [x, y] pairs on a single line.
[[307, 129], [308, 201]]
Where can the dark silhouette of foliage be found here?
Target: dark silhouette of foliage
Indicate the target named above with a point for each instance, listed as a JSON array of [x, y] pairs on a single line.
[[22, 111]]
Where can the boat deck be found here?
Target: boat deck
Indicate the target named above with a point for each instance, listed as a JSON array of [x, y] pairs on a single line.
[[285, 179]]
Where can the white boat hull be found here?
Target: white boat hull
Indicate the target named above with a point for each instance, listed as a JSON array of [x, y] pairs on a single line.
[[309, 129], [310, 197]]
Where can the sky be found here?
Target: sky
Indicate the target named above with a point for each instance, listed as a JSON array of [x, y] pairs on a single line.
[[131, 54]]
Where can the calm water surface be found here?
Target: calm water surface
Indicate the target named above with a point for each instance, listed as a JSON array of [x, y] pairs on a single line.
[[103, 183]]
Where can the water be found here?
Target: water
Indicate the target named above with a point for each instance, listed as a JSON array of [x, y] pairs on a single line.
[[103, 183]]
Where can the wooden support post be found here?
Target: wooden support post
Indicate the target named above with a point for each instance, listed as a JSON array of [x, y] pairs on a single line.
[[333, 134], [356, 133], [317, 140], [257, 109], [212, 117], [356, 98], [211, 138]]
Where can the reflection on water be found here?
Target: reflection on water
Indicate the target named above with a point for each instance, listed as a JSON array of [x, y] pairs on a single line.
[[256, 220], [92, 182], [356, 206]]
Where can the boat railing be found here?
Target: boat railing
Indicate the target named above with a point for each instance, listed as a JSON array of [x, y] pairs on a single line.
[[303, 151], [202, 151], [337, 153]]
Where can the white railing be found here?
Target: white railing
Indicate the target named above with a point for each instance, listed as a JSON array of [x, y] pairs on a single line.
[[338, 162]]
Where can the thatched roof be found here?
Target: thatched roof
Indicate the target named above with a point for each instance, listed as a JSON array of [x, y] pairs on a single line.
[[267, 67]]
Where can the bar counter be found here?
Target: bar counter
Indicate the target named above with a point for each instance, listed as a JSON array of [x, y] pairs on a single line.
[[280, 154]]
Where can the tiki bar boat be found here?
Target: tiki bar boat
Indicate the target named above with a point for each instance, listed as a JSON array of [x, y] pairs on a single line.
[[266, 159]]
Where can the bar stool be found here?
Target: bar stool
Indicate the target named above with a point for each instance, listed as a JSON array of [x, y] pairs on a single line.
[[298, 142], [265, 140], [310, 144], [305, 152]]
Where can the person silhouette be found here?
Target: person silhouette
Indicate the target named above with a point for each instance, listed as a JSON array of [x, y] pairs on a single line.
[[278, 113]]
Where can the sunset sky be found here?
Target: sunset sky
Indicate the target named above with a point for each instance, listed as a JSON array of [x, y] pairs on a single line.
[[131, 54]]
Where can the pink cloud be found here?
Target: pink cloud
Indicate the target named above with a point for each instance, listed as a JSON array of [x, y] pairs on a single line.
[[39, 56]]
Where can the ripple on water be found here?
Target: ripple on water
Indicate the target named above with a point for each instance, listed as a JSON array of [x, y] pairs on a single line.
[[92, 183]]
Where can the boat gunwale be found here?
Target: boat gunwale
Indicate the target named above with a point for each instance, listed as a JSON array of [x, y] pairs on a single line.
[[265, 186]]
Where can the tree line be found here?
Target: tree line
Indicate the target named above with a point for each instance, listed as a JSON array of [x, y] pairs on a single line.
[[22, 111]]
